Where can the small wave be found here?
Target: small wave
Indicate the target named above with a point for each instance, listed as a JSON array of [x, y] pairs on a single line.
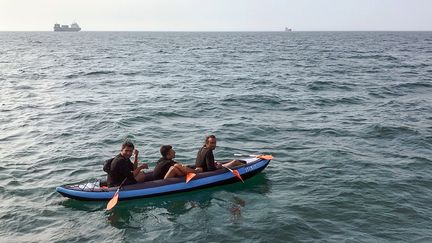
[[233, 125], [260, 82], [10, 137], [384, 92], [242, 78], [380, 57], [244, 99], [388, 132], [24, 87], [85, 116], [155, 115], [251, 51], [208, 79], [362, 184], [418, 162], [13, 183], [376, 94], [168, 114], [131, 73], [338, 101], [94, 73], [78, 172], [71, 76], [26, 106], [350, 100], [75, 102], [139, 119], [99, 73], [338, 72], [155, 73], [328, 85], [292, 108], [331, 131], [414, 85], [201, 48], [283, 59]]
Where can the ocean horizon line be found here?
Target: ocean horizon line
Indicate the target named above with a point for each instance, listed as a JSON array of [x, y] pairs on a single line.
[[224, 31]]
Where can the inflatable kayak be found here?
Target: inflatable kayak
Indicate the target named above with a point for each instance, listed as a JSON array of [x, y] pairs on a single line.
[[97, 190]]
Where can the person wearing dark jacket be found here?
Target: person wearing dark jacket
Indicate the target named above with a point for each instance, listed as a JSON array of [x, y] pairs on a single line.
[[205, 159], [122, 168], [166, 167]]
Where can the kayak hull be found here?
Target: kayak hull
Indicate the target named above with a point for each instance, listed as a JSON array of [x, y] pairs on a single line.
[[163, 187]]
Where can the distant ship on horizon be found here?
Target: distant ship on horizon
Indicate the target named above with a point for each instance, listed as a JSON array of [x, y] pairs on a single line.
[[288, 29], [73, 28]]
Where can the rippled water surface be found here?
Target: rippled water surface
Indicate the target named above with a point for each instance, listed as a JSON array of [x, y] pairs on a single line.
[[347, 115]]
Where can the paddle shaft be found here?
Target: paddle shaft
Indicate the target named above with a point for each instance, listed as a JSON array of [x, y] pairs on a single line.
[[236, 173], [121, 184], [111, 203], [260, 156], [246, 155]]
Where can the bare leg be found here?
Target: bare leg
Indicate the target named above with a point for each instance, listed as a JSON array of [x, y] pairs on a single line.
[[232, 163], [140, 177], [184, 169], [173, 172]]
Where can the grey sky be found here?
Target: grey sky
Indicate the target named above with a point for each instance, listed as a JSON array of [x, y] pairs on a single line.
[[217, 15]]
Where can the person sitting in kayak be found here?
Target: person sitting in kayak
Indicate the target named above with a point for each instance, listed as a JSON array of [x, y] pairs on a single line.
[[205, 159], [166, 167], [122, 168]]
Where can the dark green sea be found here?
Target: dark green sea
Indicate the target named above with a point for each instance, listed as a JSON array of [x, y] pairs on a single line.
[[347, 115]]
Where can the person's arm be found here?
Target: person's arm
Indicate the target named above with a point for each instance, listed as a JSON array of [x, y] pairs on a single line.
[[125, 171], [209, 160], [136, 171], [218, 165], [135, 163], [198, 163]]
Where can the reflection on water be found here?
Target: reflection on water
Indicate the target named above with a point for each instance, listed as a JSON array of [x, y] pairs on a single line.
[[129, 214], [121, 218], [235, 208], [83, 205]]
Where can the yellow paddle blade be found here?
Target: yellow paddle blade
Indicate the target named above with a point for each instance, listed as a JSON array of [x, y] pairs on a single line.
[[189, 176], [235, 172], [266, 157], [113, 201]]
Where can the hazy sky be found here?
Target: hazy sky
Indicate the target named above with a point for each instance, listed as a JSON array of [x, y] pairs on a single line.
[[217, 15]]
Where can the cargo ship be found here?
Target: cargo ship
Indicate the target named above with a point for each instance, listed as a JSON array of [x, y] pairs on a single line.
[[73, 28]]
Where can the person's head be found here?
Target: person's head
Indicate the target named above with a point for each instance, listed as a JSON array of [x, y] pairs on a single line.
[[127, 149], [210, 142], [167, 152]]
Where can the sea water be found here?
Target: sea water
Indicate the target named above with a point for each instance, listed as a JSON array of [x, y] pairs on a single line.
[[347, 116]]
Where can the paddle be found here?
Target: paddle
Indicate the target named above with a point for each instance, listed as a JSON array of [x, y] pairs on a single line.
[[189, 176], [260, 156], [236, 173], [115, 198]]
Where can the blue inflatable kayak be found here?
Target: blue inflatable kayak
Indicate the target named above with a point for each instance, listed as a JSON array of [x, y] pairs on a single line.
[[95, 191]]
